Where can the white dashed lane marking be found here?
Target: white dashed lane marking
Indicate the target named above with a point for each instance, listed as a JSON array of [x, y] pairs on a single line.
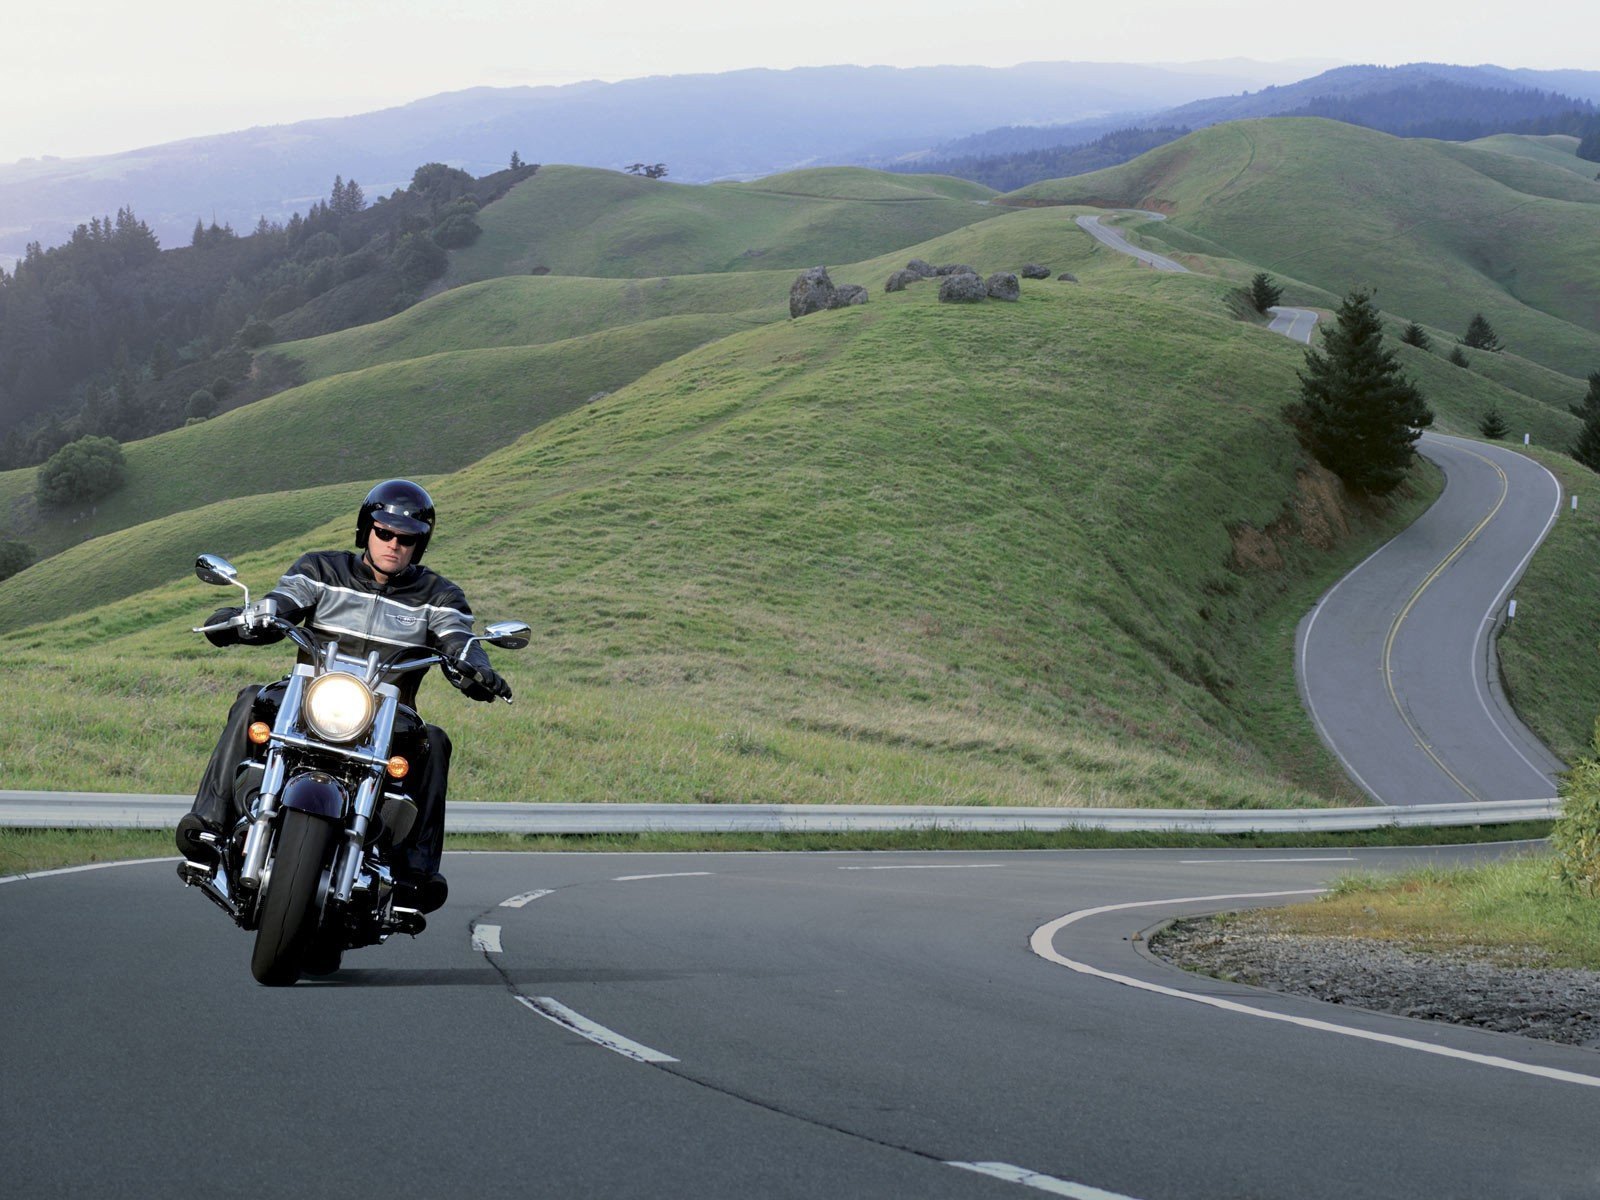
[[1042, 1183], [553, 1010], [525, 898], [486, 938], [669, 875]]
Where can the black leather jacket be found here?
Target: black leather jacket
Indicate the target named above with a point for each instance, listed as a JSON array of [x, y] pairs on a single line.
[[335, 593]]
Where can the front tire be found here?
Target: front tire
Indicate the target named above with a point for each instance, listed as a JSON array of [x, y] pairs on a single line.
[[289, 910]]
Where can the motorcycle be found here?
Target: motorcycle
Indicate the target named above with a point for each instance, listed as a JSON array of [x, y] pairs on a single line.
[[310, 864]]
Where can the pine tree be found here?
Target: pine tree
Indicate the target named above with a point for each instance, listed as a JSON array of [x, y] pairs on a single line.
[[1416, 335], [516, 161], [1264, 293], [1457, 357], [1493, 426], [1357, 414], [1587, 448], [1480, 334]]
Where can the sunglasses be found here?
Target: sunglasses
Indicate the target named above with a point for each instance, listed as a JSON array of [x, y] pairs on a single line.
[[389, 535]]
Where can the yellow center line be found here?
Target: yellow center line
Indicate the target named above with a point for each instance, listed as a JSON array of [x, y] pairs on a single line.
[[1394, 629]]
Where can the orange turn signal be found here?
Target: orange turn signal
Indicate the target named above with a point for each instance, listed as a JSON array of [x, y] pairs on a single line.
[[398, 767], [260, 732]]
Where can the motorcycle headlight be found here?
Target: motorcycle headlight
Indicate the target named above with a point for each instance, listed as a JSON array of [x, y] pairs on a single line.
[[338, 707]]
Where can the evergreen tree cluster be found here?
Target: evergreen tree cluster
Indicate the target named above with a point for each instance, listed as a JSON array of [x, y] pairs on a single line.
[[1455, 112], [109, 335], [1009, 171]]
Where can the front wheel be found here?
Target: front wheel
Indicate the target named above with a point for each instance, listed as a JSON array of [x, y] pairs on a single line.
[[289, 910]]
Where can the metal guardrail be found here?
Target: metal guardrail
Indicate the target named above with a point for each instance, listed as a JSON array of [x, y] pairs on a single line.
[[111, 810]]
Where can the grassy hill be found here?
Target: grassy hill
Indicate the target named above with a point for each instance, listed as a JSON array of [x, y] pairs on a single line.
[[1435, 231], [907, 552], [580, 221], [498, 357], [1554, 150], [1049, 552]]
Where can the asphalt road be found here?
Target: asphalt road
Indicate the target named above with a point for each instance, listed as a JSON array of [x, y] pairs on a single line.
[[1396, 662], [838, 1024]]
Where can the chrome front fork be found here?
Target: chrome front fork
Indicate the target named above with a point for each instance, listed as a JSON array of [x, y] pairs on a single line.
[[349, 862], [259, 837]]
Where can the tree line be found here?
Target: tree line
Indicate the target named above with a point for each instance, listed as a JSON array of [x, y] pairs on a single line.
[[110, 335]]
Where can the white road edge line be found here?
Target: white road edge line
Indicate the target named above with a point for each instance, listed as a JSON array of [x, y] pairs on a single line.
[[1192, 862], [101, 866], [1043, 1183], [1042, 944], [668, 875], [927, 867], [486, 938], [525, 898], [553, 1010]]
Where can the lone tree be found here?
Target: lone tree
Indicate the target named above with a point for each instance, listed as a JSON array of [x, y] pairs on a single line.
[[1493, 426], [81, 472], [1264, 293], [1480, 334], [1357, 414], [1416, 335], [1587, 448], [648, 170]]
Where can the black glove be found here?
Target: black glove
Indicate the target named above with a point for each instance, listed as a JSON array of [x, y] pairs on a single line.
[[478, 683], [224, 637]]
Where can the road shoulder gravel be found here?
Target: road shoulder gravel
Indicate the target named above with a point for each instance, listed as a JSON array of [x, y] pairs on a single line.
[[1460, 986]]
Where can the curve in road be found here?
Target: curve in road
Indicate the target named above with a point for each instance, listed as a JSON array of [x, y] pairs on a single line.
[[763, 1024]]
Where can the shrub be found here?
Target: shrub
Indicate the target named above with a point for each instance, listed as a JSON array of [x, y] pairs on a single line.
[[15, 556], [81, 472], [456, 230], [257, 333], [419, 260], [1457, 357], [1576, 836], [1493, 426], [201, 403]]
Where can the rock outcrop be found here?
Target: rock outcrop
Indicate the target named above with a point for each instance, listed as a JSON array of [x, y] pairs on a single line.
[[965, 288], [1003, 285], [812, 291]]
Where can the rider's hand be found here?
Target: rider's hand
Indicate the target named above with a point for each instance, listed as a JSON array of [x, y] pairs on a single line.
[[223, 637], [491, 684]]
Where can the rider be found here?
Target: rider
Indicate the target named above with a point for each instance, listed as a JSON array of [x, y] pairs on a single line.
[[378, 600]]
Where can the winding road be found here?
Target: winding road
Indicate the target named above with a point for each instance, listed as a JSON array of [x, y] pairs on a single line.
[[753, 1025], [775, 1025]]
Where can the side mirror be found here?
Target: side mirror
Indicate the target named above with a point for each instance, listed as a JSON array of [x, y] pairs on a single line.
[[508, 635], [214, 569]]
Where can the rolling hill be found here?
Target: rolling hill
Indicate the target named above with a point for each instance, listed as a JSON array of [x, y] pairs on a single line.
[[1046, 552], [1440, 233]]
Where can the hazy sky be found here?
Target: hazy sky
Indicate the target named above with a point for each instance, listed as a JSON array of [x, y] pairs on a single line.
[[93, 77]]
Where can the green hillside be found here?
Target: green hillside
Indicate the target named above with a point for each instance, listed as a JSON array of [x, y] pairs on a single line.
[[901, 553], [434, 413], [1339, 206], [243, 452], [1554, 150], [580, 221]]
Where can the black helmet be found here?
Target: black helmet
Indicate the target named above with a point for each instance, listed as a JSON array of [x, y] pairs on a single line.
[[406, 508]]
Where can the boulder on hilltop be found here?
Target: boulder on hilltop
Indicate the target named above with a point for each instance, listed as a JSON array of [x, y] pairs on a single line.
[[955, 269], [847, 294], [812, 291], [923, 269], [1003, 285], [966, 288], [1067, 277], [1034, 271], [898, 281]]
